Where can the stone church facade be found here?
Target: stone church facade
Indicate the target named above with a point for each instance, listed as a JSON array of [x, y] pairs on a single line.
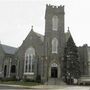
[[42, 55]]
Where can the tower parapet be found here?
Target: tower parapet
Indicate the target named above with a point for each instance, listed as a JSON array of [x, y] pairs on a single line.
[[50, 9], [52, 6]]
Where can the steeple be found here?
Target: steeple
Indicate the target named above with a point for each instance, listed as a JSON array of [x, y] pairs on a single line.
[[32, 28], [68, 29]]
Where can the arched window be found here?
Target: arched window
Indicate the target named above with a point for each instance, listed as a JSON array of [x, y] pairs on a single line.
[[55, 23], [29, 60], [54, 45], [5, 70]]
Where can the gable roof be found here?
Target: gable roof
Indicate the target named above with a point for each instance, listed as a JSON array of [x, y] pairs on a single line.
[[40, 36], [8, 49]]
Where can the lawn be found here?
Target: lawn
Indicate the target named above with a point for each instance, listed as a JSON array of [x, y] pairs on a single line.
[[24, 83]]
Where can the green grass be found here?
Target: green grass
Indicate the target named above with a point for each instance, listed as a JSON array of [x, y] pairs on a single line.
[[20, 83]]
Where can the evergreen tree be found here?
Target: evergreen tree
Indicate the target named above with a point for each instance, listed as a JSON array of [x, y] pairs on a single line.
[[71, 64]]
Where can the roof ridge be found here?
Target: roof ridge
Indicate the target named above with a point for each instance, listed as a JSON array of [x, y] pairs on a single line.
[[38, 33]]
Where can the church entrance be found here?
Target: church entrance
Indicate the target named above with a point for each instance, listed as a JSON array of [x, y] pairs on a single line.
[[54, 72]]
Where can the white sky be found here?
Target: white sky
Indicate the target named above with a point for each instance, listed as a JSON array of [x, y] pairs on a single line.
[[17, 17]]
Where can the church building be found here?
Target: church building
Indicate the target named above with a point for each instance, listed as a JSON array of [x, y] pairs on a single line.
[[41, 56]]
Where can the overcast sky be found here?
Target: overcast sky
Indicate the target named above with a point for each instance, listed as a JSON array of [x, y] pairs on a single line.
[[17, 17]]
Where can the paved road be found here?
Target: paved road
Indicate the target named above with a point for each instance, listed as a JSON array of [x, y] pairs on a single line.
[[47, 88], [77, 88], [65, 87]]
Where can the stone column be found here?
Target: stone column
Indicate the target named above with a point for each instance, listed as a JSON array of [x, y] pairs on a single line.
[[17, 72], [24, 63], [31, 62], [9, 67], [28, 64]]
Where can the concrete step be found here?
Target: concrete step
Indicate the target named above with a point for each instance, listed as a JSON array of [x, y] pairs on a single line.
[[55, 81]]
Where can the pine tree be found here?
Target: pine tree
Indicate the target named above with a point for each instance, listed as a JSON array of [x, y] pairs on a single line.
[[71, 64]]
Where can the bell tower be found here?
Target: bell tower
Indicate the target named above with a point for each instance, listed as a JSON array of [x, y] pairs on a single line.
[[54, 39], [52, 13]]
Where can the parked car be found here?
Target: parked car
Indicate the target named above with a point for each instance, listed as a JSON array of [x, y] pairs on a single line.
[[84, 80]]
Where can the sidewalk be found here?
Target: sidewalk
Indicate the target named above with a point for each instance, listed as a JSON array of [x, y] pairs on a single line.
[[50, 86], [19, 86], [37, 86]]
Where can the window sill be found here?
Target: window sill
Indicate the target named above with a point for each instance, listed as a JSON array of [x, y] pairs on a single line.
[[54, 52], [29, 73]]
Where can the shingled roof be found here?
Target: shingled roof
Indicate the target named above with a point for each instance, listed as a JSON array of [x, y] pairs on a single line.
[[8, 49], [40, 36]]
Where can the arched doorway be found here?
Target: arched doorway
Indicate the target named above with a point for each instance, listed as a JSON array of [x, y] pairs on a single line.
[[54, 70], [5, 70], [13, 69]]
